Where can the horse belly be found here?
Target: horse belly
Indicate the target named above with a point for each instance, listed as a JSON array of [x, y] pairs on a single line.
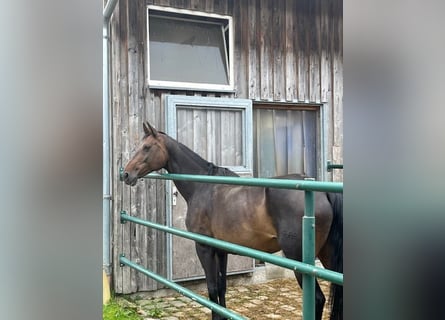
[[247, 237], [241, 222]]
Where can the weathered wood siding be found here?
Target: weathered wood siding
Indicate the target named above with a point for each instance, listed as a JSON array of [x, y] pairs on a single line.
[[285, 51]]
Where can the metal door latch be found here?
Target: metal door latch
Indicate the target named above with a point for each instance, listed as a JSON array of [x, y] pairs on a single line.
[[175, 195]]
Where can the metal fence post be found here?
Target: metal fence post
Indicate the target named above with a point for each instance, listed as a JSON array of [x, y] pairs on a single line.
[[309, 256]]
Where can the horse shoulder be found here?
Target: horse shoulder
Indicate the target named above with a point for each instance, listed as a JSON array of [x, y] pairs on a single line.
[[197, 218]]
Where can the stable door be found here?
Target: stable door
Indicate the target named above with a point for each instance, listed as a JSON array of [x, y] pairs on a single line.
[[220, 131]]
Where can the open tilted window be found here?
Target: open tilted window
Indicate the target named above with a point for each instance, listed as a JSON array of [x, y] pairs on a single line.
[[189, 50]]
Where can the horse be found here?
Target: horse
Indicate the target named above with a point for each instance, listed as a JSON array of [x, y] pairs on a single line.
[[266, 219]]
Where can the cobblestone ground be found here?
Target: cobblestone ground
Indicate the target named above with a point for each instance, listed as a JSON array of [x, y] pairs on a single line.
[[276, 299]]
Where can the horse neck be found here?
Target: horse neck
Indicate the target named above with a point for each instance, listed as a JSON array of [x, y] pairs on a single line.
[[184, 161]]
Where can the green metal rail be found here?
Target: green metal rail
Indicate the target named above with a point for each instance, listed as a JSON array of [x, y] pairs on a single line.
[[307, 185], [331, 276], [307, 267], [184, 291]]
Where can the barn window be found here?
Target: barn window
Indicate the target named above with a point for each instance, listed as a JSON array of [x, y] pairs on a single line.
[[189, 50], [286, 140]]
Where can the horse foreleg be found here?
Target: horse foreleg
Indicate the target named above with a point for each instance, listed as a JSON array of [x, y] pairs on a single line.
[[207, 257], [222, 276]]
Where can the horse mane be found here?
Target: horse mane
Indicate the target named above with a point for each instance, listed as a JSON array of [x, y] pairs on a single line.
[[212, 169]]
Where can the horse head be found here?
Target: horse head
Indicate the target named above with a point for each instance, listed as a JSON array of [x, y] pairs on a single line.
[[151, 155]]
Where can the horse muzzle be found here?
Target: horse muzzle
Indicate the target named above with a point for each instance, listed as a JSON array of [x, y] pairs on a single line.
[[130, 179]]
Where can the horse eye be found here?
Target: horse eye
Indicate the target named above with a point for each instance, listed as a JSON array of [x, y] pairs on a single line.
[[146, 148]]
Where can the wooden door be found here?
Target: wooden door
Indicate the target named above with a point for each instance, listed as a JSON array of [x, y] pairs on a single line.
[[220, 131]]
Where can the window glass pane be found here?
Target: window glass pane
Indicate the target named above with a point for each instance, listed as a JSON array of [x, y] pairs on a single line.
[[285, 141], [187, 51]]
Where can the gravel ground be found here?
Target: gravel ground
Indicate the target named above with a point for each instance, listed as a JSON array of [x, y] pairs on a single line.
[[276, 299]]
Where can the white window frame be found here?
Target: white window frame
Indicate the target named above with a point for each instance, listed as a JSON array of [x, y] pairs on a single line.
[[188, 14]]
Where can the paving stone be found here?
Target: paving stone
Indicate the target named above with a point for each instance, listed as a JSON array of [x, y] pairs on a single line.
[[178, 304], [278, 299], [145, 302], [288, 308]]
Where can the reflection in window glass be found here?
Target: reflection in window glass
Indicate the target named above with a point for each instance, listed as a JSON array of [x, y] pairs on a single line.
[[187, 51]]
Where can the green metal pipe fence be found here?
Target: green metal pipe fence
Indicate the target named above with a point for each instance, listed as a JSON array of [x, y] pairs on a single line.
[[307, 267], [287, 263], [307, 185], [184, 291]]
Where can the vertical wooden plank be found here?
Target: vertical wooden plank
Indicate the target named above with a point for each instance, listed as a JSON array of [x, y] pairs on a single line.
[[116, 143], [220, 7], [290, 50], [302, 17], [266, 55], [277, 43], [238, 134], [218, 137], [137, 12], [239, 56], [153, 243], [326, 70], [185, 121], [338, 88], [165, 3], [314, 51], [325, 54], [252, 62], [180, 4], [199, 132], [123, 231], [156, 201], [182, 125], [227, 137], [146, 244], [135, 107], [198, 5], [209, 6], [211, 134], [158, 213]]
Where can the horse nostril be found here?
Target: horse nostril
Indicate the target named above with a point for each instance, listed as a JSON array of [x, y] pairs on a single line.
[[126, 175]]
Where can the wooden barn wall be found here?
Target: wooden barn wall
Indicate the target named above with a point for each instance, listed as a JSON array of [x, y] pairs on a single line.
[[287, 51]]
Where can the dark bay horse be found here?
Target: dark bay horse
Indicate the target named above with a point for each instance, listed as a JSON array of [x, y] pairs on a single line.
[[266, 219]]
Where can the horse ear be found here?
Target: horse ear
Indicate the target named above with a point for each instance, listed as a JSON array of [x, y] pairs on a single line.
[[149, 130], [146, 129]]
